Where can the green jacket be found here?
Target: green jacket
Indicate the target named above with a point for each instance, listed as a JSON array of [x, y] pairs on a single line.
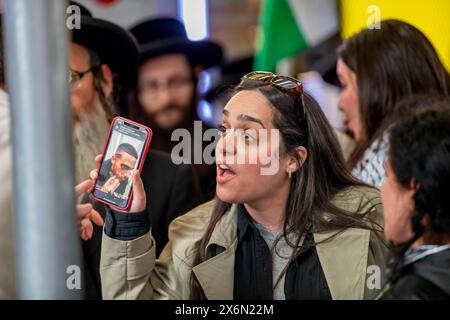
[[129, 269]]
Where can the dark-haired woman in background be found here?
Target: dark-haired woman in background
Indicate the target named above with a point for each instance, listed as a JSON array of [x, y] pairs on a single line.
[[417, 204], [308, 230], [377, 69]]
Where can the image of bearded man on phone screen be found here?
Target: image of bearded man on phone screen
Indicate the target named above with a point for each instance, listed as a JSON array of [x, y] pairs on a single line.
[[115, 172]]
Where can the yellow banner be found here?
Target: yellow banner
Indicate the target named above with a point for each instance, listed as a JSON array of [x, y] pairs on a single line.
[[432, 17]]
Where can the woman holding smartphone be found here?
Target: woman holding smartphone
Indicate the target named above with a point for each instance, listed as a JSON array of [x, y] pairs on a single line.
[[297, 227]]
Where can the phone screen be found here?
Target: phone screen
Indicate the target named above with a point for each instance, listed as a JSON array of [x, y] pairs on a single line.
[[122, 156]]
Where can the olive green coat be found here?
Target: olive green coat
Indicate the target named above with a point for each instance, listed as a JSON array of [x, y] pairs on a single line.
[[129, 269]]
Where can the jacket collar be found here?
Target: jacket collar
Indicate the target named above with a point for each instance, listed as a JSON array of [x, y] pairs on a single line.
[[345, 254], [216, 275]]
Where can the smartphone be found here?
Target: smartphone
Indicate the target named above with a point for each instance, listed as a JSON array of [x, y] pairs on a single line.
[[124, 152]]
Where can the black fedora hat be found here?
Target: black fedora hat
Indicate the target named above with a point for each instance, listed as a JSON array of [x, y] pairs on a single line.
[[115, 46], [168, 35]]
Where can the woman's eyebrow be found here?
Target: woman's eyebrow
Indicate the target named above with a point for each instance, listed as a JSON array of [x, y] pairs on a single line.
[[245, 117]]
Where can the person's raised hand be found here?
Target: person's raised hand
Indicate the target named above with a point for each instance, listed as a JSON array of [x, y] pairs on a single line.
[[139, 201], [86, 213]]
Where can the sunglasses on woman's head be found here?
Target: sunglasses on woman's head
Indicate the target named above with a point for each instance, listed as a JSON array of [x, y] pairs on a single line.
[[283, 83]]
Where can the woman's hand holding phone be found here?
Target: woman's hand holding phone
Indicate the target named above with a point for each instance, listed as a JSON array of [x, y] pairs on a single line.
[[139, 201]]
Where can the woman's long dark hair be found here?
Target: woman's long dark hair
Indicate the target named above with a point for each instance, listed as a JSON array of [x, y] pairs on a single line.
[[313, 186], [390, 64]]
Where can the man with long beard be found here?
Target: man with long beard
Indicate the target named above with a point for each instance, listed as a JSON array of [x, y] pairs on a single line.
[[102, 58]]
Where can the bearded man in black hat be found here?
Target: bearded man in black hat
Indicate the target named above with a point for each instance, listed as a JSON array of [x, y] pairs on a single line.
[[166, 97], [102, 59]]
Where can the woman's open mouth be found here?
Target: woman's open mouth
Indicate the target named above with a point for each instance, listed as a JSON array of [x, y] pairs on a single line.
[[224, 173]]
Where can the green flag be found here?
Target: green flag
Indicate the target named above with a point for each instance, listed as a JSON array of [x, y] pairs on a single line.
[[290, 26]]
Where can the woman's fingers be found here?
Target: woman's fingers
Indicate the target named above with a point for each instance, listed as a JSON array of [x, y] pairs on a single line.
[[98, 158], [93, 174], [86, 215], [83, 210], [139, 197], [138, 186], [82, 235], [95, 217], [86, 229], [83, 187]]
